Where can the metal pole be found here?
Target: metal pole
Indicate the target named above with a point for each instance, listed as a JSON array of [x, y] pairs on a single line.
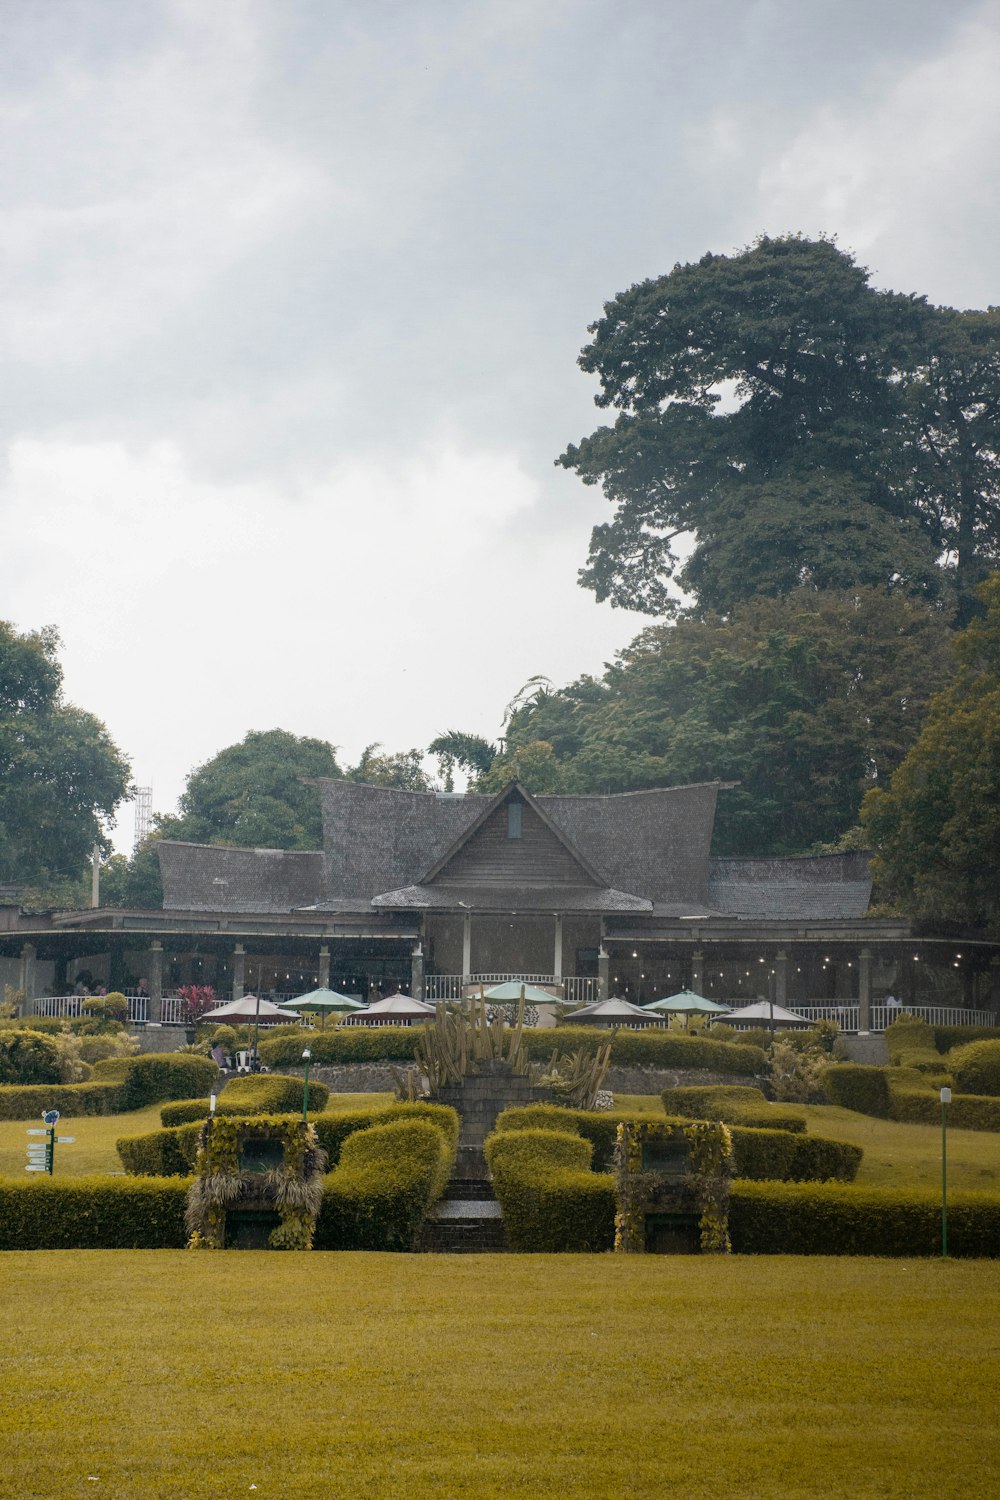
[[306, 1058], [945, 1101], [256, 1030]]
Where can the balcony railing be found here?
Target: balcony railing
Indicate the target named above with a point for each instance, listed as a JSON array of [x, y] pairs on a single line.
[[579, 990]]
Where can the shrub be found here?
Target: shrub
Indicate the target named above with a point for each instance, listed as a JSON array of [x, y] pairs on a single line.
[[550, 1199], [153, 1076], [92, 1213], [388, 1178], [946, 1037], [796, 1073], [28, 1057], [911, 1044], [183, 1111], [333, 1130], [976, 1068], [854, 1086], [600, 1128], [345, 1044], [69, 1053], [69, 1099], [734, 1104], [777, 1155], [161, 1153], [94, 1049], [770, 1218], [269, 1094], [965, 1112], [653, 1049]]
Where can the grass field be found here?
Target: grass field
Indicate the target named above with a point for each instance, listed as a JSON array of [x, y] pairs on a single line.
[[142, 1375]]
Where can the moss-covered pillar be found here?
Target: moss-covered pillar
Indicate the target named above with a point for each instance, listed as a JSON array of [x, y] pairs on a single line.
[[324, 966], [156, 983], [239, 970], [864, 991]]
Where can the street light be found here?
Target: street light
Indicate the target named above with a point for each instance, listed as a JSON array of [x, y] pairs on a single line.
[[306, 1058], [945, 1100]]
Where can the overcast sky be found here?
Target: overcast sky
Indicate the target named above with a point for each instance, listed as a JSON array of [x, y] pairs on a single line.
[[293, 292]]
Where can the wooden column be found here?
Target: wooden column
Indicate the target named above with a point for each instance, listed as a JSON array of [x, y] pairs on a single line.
[[781, 978], [26, 976], [603, 973], [697, 970], [239, 970], [156, 983], [324, 966], [557, 956], [466, 946], [417, 972]]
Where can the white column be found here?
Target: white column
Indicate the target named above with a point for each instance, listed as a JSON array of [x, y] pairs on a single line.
[[557, 949], [467, 945]]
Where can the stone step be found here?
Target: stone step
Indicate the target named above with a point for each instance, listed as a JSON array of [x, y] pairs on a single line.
[[463, 1226], [479, 1189]]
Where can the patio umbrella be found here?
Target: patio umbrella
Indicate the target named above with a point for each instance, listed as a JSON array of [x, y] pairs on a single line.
[[249, 1008], [764, 1011], [687, 1003], [510, 992], [319, 1002], [609, 1011], [392, 1008]]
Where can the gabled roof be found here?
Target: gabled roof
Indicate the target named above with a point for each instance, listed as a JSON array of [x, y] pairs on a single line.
[[511, 793]]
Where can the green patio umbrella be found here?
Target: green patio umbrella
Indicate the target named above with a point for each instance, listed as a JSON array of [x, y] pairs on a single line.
[[687, 1003], [319, 1002], [510, 992]]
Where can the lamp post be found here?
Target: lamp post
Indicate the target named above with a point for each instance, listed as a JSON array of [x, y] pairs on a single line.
[[945, 1101], [306, 1058]]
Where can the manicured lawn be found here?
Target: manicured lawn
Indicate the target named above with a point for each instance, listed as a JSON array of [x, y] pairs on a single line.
[[895, 1155], [155, 1374], [96, 1135]]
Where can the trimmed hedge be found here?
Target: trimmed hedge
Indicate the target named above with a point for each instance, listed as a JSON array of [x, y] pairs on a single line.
[[333, 1130], [388, 1178], [965, 1112], [270, 1094], [734, 1104], [772, 1218], [182, 1111], [976, 1067], [780, 1156], [28, 1057], [946, 1037], [345, 1044], [855, 1086], [599, 1127], [650, 1049], [93, 1213], [28, 1101], [153, 1076], [550, 1199], [161, 1153]]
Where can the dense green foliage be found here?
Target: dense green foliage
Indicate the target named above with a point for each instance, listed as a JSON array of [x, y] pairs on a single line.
[[936, 827], [334, 1129], [735, 1104], [599, 1127], [387, 1179], [153, 1076], [61, 777], [343, 1044], [27, 1101], [782, 1156], [771, 1218], [161, 1153], [859, 448], [252, 794], [269, 1094], [805, 700], [651, 1049], [854, 1086], [976, 1068], [550, 1199], [28, 1057], [92, 1213]]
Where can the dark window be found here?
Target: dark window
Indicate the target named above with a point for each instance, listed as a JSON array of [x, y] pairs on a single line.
[[513, 820]]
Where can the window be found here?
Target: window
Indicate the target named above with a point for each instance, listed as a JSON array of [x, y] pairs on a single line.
[[513, 820]]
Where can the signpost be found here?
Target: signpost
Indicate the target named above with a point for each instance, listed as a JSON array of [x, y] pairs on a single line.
[[41, 1154]]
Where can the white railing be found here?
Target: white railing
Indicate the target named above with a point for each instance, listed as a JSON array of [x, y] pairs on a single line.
[[71, 1007], [63, 1006], [175, 1011], [453, 986], [936, 1015], [846, 1015]]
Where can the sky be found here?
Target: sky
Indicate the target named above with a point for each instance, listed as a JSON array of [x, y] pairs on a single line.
[[293, 293]]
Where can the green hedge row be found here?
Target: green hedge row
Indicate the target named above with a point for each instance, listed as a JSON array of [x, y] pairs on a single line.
[[829, 1219], [965, 1112], [651, 1049], [976, 1067], [780, 1154], [253, 1094], [171, 1151], [92, 1213], [858, 1087], [27, 1102], [734, 1104], [27, 1057], [153, 1076], [389, 1176], [654, 1049], [550, 1199], [946, 1037]]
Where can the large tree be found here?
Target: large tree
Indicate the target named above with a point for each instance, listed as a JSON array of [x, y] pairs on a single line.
[[936, 827], [806, 701], [61, 776], [798, 426]]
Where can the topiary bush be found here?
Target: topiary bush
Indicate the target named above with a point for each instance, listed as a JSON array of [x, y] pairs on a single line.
[[28, 1057], [911, 1045], [863, 1089], [599, 1127], [965, 1112], [269, 1094], [651, 1049], [333, 1130], [69, 1099], [734, 1104], [182, 1111], [946, 1037], [778, 1155], [161, 1153], [975, 1067], [771, 1218], [388, 1178], [550, 1199], [345, 1044], [153, 1076], [92, 1213]]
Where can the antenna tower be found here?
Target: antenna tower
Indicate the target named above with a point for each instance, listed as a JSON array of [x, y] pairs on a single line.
[[143, 814]]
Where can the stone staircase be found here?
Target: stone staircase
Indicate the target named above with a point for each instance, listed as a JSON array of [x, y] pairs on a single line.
[[466, 1219]]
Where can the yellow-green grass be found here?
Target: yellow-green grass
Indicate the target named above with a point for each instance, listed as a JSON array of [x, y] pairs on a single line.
[[95, 1136], [575, 1378], [895, 1155]]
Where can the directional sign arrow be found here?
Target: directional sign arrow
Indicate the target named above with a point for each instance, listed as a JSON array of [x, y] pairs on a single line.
[[36, 1169], [65, 1140], [38, 1132]]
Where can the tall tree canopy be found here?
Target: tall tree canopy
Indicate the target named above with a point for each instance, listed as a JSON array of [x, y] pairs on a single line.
[[936, 828], [61, 776], [253, 794], [801, 427], [806, 701]]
